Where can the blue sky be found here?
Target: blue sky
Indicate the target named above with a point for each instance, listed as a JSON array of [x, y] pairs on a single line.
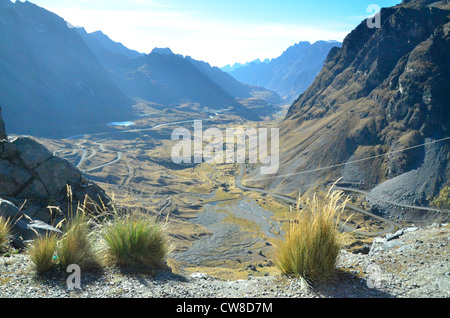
[[219, 32]]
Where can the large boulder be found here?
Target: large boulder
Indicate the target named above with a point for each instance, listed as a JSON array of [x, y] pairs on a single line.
[[34, 179], [24, 229], [28, 171]]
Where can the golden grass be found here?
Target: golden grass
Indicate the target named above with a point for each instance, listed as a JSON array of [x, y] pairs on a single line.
[[78, 243], [94, 237], [42, 252], [313, 241], [5, 231], [135, 241]]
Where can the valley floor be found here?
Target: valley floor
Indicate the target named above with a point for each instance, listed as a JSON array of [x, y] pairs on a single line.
[[223, 229]]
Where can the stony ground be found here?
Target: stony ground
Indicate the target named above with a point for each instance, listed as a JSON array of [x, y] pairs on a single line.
[[412, 263]]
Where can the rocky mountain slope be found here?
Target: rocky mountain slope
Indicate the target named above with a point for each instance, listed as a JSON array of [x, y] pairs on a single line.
[[100, 43], [385, 90], [51, 84], [291, 73]]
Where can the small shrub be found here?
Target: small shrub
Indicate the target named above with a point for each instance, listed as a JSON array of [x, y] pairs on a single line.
[[442, 201], [313, 241], [135, 242], [5, 231], [42, 251]]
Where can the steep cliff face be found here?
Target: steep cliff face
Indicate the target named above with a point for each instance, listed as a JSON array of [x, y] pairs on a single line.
[[385, 90]]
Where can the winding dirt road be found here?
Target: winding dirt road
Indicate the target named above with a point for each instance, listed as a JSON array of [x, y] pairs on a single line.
[[391, 226], [367, 194]]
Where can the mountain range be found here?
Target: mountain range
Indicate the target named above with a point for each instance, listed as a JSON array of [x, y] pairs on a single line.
[[169, 79], [291, 73], [377, 115], [229, 68], [57, 80]]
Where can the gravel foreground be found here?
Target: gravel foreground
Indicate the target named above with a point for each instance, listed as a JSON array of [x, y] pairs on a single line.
[[412, 263]]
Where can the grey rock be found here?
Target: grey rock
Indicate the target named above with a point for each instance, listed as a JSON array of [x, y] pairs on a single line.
[[391, 244], [12, 178], [411, 229], [31, 153], [24, 228], [199, 276], [8, 210], [32, 177], [396, 235], [7, 150], [35, 190], [405, 248], [28, 171], [56, 174], [2, 127]]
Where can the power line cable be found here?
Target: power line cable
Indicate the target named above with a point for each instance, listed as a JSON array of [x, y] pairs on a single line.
[[350, 162]]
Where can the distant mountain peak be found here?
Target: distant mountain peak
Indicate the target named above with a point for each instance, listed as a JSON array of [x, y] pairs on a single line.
[[289, 74], [164, 51], [100, 33], [100, 41]]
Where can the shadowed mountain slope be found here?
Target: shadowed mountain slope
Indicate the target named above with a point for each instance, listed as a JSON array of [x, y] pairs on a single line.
[[51, 84]]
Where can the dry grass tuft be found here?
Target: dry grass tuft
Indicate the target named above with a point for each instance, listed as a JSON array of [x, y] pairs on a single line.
[[5, 231], [136, 241], [78, 244], [313, 241], [42, 252], [94, 237]]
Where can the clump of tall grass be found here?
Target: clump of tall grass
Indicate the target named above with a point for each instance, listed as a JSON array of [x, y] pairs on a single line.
[[5, 231], [78, 243], [313, 241], [136, 242], [42, 252], [93, 237]]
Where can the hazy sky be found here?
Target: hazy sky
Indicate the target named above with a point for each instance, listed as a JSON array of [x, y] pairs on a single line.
[[219, 32]]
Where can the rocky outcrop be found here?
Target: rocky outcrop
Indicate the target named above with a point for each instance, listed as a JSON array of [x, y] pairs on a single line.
[[32, 178]]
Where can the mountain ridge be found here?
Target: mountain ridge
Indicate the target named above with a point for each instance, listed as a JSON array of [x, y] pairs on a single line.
[[383, 91], [291, 73], [179, 79]]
